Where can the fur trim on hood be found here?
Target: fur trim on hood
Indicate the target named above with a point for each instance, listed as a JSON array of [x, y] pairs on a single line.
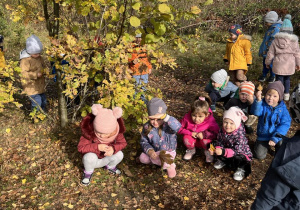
[[248, 37], [284, 35]]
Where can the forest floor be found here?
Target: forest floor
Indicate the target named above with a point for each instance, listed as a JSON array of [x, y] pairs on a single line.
[[40, 167]]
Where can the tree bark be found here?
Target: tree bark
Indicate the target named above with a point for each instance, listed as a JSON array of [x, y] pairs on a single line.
[[63, 112]]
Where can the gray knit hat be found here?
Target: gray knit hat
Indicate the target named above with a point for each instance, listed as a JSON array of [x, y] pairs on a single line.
[[33, 45], [287, 24], [219, 76], [271, 17], [278, 86], [156, 106]]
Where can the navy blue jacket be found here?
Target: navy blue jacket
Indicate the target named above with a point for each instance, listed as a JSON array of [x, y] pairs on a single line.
[[268, 39], [271, 120], [280, 189]]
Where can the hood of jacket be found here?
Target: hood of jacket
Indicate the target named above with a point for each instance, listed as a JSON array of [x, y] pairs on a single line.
[[241, 37], [87, 128], [285, 40]]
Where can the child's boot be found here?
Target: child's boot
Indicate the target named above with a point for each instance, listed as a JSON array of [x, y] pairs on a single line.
[[171, 171], [86, 179], [286, 97], [239, 174], [189, 154], [209, 157], [113, 170]]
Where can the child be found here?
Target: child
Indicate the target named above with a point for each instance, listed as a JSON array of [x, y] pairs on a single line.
[[238, 54], [273, 25], [220, 88], [32, 66], [2, 58], [232, 147], [285, 54], [159, 135], [199, 128], [273, 119], [281, 186], [244, 101], [102, 141]]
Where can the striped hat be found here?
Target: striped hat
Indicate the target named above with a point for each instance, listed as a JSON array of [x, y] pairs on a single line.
[[247, 87]]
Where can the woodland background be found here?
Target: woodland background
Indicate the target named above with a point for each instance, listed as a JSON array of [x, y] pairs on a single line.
[[40, 167]]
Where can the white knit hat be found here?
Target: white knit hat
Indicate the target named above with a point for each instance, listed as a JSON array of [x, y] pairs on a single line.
[[33, 45], [219, 76], [271, 17]]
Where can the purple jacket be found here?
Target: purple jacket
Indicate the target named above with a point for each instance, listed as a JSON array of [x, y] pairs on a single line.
[[208, 127], [285, 54], [168, 139], [234, 143]]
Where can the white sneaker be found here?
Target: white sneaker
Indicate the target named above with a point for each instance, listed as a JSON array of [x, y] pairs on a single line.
[[189, 154], [219, 164], [239, 174], [209, 157], [286, 97]]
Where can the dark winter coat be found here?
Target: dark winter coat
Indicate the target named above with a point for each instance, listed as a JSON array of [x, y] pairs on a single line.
[[268, 39]]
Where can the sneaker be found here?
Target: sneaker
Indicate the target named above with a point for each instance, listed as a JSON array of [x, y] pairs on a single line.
[[286, 97], [213, 107], [113, 170], [86, 179], [262, 78], [189, 154], [239, 174], [219, 164], [209, 157], [248, 129], [271, 79], [171, 171]]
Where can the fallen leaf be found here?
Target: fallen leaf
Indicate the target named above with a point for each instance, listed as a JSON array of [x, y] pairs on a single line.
[[113, 195], [186, 198]]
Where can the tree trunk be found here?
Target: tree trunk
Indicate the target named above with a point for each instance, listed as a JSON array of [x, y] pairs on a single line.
[[63, 113]]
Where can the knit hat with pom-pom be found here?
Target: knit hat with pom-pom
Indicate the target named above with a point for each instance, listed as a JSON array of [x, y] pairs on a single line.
[[236, 29], [105, 119], [236, 115], [287, 25]]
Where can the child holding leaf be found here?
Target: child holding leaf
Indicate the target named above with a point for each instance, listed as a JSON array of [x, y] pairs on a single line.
[[158, 137], [199, 128], [231, 147], [102, 141]]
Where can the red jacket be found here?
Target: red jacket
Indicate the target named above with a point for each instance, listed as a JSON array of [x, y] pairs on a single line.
[[89, 142]]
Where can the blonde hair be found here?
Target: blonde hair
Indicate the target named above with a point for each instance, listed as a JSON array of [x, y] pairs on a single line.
[[150, 126], [201, 104]]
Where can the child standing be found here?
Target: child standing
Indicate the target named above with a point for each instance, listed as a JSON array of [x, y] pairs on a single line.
[[238, 54], [199, 128], [159, 134], [273, 24], [244, 101], [232, 147], [102, 141], [2, 58], [273, 119], [220, 88], [32, 66], [285, 54]]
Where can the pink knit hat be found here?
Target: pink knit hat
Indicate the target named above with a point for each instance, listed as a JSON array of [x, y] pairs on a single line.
[[236, 115], [247, 87], [105, 119]]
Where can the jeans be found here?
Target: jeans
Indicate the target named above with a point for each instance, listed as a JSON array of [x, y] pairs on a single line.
[[261, 148], [266, 71], [215, 97], [285, 81], [39, 99]]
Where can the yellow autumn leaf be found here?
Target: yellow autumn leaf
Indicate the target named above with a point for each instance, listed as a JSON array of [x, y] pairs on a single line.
[[113, 195], [14, 205], [33, 164], [7, 130], [41, 18], [15, 177], [23, 196], [23, 181], [67, 166], [164, 8], [70, 206], [195, 10], [160, 205], [156, 197], [134, 21], [186, 198]]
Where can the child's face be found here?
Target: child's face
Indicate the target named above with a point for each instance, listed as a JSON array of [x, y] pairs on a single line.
[[272, 97], [233, 36], [106, 135], [228, 125], [156, 122], [198, 117], [216, 85], [35, 55], [243, 97]]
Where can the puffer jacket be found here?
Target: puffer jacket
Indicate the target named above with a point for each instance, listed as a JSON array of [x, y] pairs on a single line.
[[268, 38], [89, 142], [30, 67], [271, 120], [280, 189], [238, 53], [285, 54], [209, 127]]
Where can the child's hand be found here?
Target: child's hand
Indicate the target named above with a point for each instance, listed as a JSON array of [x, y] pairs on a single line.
[[102, 147], [152, 154], [150, 71], [219, 151], [211, 152], [194, 135], [199, 135], [297, 68], [109, 151], [272, 143], [258, 95]]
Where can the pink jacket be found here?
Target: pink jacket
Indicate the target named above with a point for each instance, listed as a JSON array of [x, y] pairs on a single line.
[[285, 53], [208, 127]]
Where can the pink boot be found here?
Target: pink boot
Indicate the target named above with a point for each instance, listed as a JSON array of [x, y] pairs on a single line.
[[171, 171]]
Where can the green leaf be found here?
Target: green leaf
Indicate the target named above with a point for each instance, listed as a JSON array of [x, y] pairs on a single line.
[[98, 78], [122, 9], [136, 6], [164, 8], [134, 21], [160, 29], [85, 11], [208, 2]]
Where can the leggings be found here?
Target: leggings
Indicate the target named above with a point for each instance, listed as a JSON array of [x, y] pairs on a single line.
[[145, 158]]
